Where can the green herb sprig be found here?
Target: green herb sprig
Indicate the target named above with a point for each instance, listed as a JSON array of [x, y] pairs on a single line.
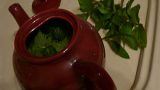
[[121, 23], [49, 41]]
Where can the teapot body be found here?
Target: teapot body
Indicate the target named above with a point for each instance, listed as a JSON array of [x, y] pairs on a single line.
[[55, 72]]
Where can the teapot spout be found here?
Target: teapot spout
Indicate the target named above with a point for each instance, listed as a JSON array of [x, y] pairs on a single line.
[[18, 13]]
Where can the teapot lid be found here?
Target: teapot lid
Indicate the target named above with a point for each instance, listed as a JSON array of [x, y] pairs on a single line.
[[42, 5]]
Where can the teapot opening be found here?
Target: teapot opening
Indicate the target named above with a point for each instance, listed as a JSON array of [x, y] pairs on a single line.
[[50, 38]]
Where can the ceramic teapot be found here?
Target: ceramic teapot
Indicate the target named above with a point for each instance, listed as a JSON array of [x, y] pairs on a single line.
[[81, 60]]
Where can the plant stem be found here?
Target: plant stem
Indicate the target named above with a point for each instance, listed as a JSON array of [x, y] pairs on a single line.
[[122, 1]]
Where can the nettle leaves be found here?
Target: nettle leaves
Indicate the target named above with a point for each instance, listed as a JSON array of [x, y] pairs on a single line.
[[122, 23], [48, 43]]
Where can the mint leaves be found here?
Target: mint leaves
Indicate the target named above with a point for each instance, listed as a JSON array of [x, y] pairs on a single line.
[[140, 36], [120, 21], [48, 40], [86, 5]]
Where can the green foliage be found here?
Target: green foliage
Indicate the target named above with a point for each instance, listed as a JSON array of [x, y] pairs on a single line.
[[47, 44], [86, 5], [122, 23], [133, 14], [118, 49], [140, 36]]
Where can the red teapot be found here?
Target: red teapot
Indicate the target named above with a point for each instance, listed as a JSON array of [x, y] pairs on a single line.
[[81, 60]]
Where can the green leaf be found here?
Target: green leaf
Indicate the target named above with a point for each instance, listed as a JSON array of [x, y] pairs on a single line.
[[129, 4], [86, 5], [48, 51], [60, 45], [39, 44], [133, 14], [96, 19], [141, 37], [84, 16], [108, 3], [118, 17], [130, 41], [96, 15], [126, 28], [41, 40], [103, 9], [98, 25], [99, 19], [107, 25], [57, 33], [113, 33], [117, 20], [118, 49]]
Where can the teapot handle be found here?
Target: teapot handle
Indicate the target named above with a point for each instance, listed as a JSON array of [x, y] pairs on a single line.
[[96, 74], [18, 13]]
